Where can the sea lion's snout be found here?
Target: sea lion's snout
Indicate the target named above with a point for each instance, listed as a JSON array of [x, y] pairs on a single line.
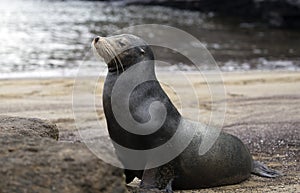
[[97, 39], [99, 44]]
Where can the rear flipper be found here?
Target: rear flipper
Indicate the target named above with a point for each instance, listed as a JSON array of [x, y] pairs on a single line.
[[263, 171]]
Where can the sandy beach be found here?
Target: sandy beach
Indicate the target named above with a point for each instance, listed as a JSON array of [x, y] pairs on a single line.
[[263, 110]]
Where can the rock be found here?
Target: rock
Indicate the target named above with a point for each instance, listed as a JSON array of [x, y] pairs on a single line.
[[35, 164], [17, 126], [32, 161], [277, 13]]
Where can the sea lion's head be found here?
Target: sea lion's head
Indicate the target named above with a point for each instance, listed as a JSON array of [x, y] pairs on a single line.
[[122, 51]]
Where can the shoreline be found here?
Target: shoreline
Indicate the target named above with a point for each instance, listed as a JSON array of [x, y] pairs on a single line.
[[21, 76]]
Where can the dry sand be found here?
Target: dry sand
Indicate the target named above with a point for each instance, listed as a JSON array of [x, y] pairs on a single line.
[[263, 109]]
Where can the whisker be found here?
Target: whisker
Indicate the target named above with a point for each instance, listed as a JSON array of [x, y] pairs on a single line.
[[108, 50], [96, 53], [116, 55], [118, 58], [112, 55]]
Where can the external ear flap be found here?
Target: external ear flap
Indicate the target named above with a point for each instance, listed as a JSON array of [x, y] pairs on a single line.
[[142, 51]]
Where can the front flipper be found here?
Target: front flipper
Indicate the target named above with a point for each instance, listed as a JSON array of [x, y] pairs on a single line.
[[159, 178], [131, 174]]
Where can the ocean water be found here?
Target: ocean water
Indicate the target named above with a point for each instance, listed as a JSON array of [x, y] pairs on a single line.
[[53, 38]]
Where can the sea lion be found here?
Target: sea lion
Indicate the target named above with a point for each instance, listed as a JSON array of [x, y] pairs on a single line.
[[228, 161]]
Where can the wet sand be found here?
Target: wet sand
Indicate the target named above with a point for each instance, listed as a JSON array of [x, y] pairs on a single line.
[[263, 109]]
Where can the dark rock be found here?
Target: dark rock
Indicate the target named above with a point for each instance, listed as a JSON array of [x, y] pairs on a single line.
[[280, 13], [35, 164], [31, 161], [277, 13], [17, 126]]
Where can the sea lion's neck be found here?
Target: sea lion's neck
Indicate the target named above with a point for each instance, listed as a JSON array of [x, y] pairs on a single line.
[[145, 69], [116, 68], [140, 81]]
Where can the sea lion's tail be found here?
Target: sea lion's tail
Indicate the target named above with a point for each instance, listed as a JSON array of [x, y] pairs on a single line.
[[263, 171]]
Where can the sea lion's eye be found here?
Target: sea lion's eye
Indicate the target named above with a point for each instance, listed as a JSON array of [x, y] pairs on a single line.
[[121, 43]]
